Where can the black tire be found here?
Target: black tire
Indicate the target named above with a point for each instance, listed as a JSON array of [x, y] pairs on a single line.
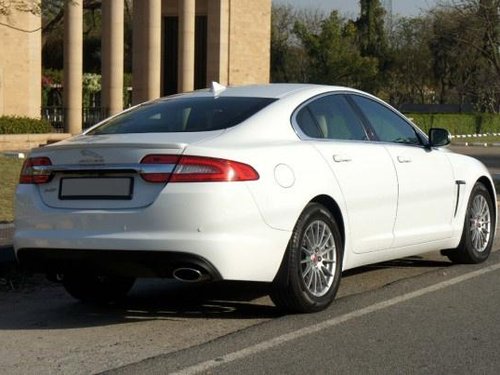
[[475, 244], [289, 290], [93, 289]]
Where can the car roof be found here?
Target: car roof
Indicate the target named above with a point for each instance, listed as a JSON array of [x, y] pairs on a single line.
[[273, 90]]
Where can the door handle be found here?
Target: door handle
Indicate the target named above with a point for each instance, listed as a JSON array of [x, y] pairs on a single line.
[[404, 159], [341, 158]]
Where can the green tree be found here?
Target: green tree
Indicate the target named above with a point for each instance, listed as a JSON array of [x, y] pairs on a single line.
[[466, 48], [372, 39], [282, 56], [410, 79], [334, 55], [289, 60]]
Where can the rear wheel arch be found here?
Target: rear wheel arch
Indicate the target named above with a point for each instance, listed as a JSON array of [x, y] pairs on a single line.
[[332, 206], [310, 272]]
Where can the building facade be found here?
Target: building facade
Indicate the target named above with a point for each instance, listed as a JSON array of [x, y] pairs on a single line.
[[178, 46], [193, 42], [20, 64]]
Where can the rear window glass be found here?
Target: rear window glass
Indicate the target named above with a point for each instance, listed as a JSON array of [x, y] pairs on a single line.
[[184, 115]]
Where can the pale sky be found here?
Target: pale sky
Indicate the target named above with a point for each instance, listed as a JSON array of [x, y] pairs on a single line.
[[350, 8]]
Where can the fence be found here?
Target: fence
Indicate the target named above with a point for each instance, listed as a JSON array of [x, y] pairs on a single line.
[[90, 117]]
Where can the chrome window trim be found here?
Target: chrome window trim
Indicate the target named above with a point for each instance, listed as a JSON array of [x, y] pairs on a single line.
[[415, 128]]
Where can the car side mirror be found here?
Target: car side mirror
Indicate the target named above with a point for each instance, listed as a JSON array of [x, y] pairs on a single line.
[[439, 137]]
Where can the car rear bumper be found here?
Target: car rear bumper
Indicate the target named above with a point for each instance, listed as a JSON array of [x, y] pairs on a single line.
[[219, 224], [115, 262]]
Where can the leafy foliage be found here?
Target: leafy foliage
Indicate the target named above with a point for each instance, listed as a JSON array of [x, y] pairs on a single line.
[[30, 6], [332, 54], [23, 125], [449, 55]]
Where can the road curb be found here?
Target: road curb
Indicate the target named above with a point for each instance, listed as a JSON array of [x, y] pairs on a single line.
[[475, 144]]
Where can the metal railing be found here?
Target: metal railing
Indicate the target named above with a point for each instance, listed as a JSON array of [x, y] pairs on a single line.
[[90, 117]]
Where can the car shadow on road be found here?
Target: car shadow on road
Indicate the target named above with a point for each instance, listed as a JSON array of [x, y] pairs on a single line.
[[51, 308], [225, 299], [408, 262]]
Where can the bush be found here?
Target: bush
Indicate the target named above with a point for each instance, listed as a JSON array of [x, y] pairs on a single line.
[[458, 124], [23, 125], [490, 123]]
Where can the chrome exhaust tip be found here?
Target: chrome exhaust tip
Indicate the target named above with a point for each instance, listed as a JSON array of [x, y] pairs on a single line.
[[189, 275]]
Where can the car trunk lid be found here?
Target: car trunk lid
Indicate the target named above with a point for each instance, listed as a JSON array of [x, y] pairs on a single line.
[[104, 171]]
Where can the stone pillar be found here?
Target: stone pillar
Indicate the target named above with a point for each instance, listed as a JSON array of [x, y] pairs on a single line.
[[73, 65], [218, 42], [186, 44], [146, 59], [1, 92], [112, 56]]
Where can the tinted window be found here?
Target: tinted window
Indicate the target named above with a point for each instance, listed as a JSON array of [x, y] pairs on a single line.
[[307, 123], [330, 117], [388, 125], [184, 115]]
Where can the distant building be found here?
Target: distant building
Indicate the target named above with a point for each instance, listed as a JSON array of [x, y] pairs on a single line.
[[178, 46], [20, 64]]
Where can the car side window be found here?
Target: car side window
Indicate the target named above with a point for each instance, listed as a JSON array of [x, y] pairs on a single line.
[[388, 125], [307, 123], [330, 117]]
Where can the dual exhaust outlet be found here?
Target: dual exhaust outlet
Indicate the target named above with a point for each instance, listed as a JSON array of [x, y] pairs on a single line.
[[190, 275]]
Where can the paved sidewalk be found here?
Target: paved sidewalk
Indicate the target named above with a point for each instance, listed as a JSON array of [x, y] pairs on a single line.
[[6, 233]]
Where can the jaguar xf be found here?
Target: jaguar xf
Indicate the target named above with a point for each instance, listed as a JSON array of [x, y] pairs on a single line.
[[288, 184]]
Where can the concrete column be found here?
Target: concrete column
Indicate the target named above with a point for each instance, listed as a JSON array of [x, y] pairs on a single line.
[[112, 56], [218, 42], [73, 65], [146, 59], [186, 44], [1, 92]]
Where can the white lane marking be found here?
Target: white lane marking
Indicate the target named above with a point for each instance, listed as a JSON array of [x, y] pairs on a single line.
[[280, 340]]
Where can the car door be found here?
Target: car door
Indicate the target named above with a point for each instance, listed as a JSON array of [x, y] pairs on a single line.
[[363, 170], [426, 183]]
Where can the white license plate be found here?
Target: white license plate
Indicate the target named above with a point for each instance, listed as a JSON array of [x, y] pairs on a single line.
[[96, 188]]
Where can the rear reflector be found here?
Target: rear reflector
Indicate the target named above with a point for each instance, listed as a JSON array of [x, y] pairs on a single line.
[[199, 169], [31, 175]]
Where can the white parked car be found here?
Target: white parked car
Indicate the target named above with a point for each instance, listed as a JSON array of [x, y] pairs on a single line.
[[288, 184]]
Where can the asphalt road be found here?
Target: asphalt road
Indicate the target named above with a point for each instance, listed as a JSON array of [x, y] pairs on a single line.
[[442, 322], [415, 315], [385, 319]]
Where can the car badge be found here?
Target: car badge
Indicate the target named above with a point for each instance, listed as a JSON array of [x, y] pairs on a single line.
[[90, 157]]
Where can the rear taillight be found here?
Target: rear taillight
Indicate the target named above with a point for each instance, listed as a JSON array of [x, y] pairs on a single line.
[[158, 168], [197, 169], [33, 172]]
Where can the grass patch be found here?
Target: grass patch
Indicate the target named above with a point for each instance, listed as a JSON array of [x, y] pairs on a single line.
[[458, 123], [10, 168]]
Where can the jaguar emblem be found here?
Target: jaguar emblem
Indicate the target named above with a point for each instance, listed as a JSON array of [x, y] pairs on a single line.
[[90, 156]]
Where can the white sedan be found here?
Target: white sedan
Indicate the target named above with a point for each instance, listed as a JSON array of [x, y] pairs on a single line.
[[288, 184]]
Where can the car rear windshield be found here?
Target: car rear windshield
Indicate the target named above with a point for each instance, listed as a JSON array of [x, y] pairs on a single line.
[[179, 114]]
